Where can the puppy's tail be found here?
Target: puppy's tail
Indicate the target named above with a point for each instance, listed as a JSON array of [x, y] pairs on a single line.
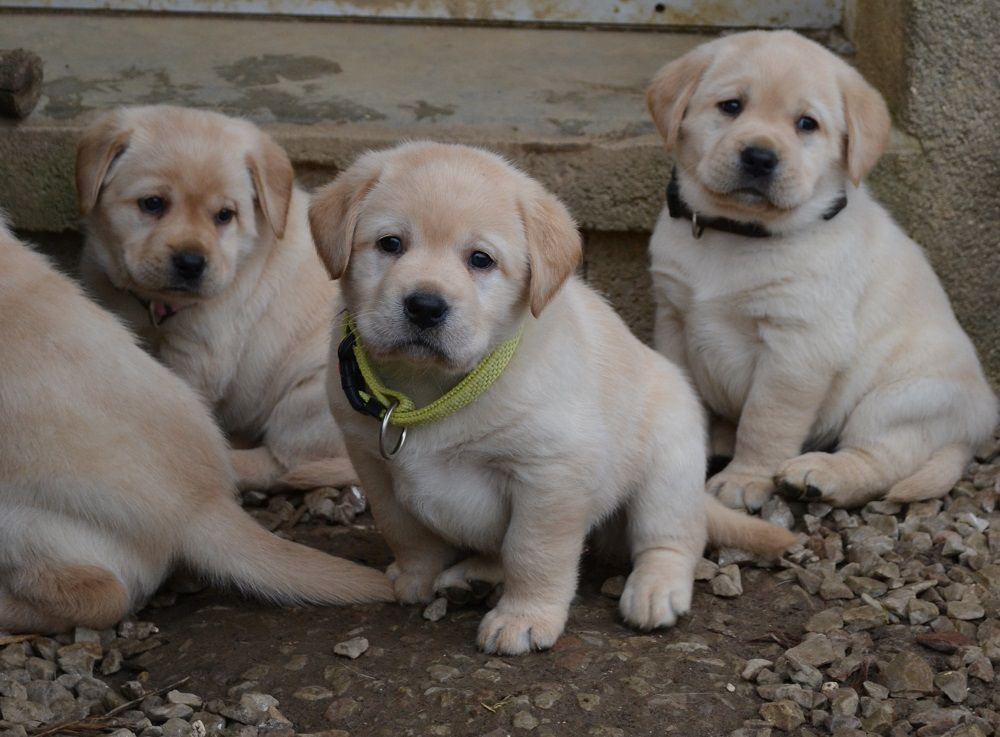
[[225, 543], [337, 472], [935, 478], [731, 529]]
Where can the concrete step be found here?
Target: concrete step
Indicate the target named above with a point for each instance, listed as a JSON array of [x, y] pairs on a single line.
[[568, 105]]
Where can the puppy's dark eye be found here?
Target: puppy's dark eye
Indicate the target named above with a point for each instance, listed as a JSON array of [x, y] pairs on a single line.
[[731, 107], [481, 260], [390, 244], [152, 205], [807, 124], [224, 216]]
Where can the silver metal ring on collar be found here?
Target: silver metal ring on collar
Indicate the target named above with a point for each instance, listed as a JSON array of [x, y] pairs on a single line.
[[389, 455], [696, 228]]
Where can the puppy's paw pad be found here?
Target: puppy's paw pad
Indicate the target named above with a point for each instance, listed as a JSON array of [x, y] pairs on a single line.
[[652, 599], [505, 632]]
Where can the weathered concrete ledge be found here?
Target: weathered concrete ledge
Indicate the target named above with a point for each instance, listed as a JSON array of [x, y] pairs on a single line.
[[567, 105]]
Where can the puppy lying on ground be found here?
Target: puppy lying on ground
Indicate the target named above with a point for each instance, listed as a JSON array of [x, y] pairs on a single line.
[[198, 237], [452, 260], [807, 319], [112, 471]]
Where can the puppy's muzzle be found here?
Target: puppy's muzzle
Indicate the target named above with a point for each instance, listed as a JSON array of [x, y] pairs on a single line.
[[425, 310], [188, 267], [758, 162]]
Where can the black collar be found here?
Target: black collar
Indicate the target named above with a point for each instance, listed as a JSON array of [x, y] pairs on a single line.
[[679, 209]]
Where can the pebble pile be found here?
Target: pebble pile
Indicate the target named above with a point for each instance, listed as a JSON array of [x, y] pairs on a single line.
[[903, 639]]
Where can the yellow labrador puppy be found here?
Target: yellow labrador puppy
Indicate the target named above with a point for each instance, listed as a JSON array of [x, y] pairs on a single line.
[[448, 254], [112, 471], [198, 237], [807, 319]]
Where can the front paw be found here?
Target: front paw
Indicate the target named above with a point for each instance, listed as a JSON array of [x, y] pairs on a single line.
[[658, 591], [814, 477], [741, 488], [412, 584], [469, 582], [510, 630]]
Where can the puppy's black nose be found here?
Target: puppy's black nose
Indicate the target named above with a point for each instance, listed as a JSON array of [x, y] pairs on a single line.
[[758, 161], [425, 310], [188, 265]]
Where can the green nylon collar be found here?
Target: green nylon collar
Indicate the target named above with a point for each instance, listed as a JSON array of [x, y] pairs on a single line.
[[406, 414]]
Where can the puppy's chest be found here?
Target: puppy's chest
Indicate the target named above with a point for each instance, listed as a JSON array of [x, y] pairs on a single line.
[[462, 500], [729, 305]]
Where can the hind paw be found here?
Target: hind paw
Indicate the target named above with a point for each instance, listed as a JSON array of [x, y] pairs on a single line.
[[812, 477]]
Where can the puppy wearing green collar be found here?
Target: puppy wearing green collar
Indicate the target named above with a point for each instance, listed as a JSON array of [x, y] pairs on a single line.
[[532, 416]]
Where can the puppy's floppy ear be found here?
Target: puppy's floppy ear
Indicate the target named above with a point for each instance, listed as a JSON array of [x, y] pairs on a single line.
[[554, 245], [273, 178], [103, 142], [671, 90], [868, 123], [333, 212]]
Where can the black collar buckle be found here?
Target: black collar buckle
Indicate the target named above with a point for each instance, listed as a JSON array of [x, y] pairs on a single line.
[[353, 381]]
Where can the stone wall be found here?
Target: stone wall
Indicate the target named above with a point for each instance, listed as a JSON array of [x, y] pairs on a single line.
[[938, 65]]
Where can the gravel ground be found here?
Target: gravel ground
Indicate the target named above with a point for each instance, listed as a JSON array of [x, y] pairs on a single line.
[[885, 621]]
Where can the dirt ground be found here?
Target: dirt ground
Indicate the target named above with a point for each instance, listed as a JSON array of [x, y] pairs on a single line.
[[427, 678]]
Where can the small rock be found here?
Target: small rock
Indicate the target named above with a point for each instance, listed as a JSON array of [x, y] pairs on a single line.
[[79, 658], [814, 651], [547, 699], [435, 611], [826, 621], [177, 728], [982, 669], [705, 570], [875, 690], [967, 609], [24, 712], [163, 712], [442, 673], [776, 511], [908, 673], [524, 720], [613, 587], [844, 702], [753, 667], [112, 662], [833, 588], [353, 648], [728, 583], [136, 630], [953, 684], [313, 693], [179, 697], [40, 669], [919, 611], [588, 701], [785, 715]]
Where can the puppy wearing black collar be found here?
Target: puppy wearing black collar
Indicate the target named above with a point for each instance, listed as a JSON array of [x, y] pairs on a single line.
[[813, 327]]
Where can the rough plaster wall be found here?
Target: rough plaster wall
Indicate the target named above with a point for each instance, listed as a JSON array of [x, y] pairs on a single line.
[[938, 64]]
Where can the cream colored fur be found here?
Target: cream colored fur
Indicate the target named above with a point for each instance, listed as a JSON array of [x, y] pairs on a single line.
[[252, 339], [112, 471], [831, 335], [586, 430]]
